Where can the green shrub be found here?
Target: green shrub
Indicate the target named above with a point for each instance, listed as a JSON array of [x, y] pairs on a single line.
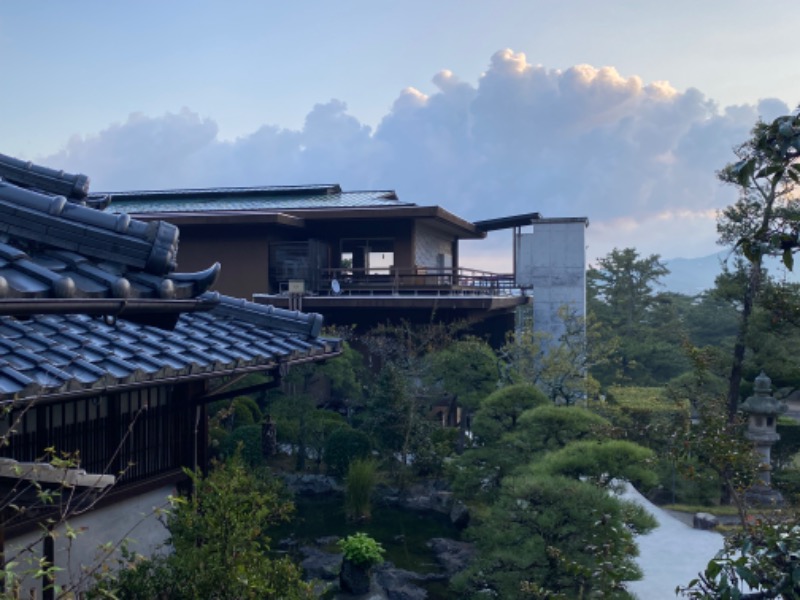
[[499, 411], [362, 550], [245, 411], [360, 481], [342, 447], [249, 437], [785, 449], [646, 415]]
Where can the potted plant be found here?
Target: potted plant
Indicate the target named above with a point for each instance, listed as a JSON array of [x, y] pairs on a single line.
[[361, 553]]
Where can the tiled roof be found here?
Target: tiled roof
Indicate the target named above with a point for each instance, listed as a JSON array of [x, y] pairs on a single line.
[[248, 199], [28, 175], [66, 354], [63, 264], [51, 247]]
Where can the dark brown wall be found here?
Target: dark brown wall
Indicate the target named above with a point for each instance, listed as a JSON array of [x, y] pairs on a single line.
[[242, 251]]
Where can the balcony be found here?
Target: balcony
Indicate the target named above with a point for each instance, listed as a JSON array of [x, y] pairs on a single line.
[[418, 281]]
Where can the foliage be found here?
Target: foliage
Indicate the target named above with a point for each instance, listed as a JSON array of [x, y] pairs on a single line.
[[343, 446], [785, 449], [399, 400], [647, 415], [600, 462], [719, 445], [395, 412], [559, 365], [763, 221], [553, 427], [765, 558], [622, 297], [498, 412], [434, 445], [359, 485], [557, 534], [362, 550], [467, 370], [247, 441], [320, 426], [220, 548], [345, 375]]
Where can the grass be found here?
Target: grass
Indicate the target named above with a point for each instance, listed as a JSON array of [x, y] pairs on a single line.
[[720, 511], [360, 481]]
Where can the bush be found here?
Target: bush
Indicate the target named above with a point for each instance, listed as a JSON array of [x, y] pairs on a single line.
[[362, 550], [220, 546], [245, 411], [249, 438], [342, 447], [499, 411], [785, 449]]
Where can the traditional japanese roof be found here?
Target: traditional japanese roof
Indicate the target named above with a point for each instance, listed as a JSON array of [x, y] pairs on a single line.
[[267, 198], [63, 355], [54, 250], [81, 293]]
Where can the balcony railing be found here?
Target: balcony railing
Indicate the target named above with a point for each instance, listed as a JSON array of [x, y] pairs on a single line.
[[415, 281]]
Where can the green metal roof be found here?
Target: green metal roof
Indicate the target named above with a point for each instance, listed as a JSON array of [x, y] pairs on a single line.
[[249, 199]]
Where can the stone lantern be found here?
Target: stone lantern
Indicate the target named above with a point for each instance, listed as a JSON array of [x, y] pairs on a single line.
[[762, 411]]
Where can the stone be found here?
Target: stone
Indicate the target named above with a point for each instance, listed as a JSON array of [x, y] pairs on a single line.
[[398, 584], [459, 514], [703, 520], [320, 565], [307, 484], [452, 555], [354, 578]]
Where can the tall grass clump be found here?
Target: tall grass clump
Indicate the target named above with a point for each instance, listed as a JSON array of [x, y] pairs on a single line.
[[361, 478]]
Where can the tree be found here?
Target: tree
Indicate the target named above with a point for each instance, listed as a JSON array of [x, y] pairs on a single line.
[[622, 298], [499, 411], [554, 535], [398, 400], [220, 546], [603, 463], [764, 221], [548, 428], [622, 286], [559, 367], [468, 371]]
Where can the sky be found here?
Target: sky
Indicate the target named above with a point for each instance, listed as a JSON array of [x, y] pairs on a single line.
[[621, 112]]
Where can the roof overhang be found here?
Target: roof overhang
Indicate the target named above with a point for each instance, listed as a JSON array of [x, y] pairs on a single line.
[[508, 222], [300, 218]]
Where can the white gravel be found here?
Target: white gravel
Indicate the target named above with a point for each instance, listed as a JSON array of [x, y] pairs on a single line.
[[671, 555]]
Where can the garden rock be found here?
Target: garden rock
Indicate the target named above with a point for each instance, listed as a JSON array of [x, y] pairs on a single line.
[[705, 521], [354, 578], [308, 484], [452, 555], [459, 514], [320, 565]]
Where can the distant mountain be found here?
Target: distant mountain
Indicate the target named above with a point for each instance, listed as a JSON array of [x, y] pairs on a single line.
[[691, 276]]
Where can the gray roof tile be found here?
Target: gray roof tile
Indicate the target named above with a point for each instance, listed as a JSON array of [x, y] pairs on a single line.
[[58, 354], [52, 248]]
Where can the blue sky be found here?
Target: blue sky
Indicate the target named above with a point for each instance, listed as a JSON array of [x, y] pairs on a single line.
[[619, 111]]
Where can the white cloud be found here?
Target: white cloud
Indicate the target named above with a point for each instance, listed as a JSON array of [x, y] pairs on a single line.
[[637, 158]]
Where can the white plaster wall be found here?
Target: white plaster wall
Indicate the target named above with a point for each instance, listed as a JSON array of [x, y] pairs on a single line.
[[552, 260], [134, 520], [428, 244]]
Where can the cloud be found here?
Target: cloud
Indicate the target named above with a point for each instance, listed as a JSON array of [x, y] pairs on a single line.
[[638, 158]]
